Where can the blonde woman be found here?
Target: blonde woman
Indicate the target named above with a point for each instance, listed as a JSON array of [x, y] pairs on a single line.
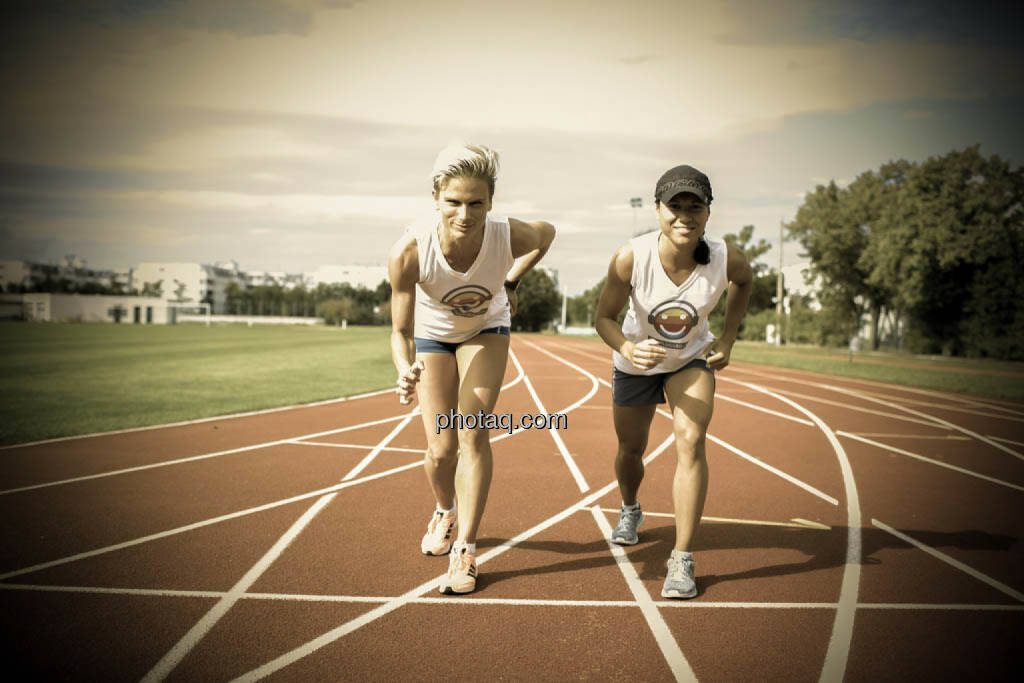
[[453, 281]]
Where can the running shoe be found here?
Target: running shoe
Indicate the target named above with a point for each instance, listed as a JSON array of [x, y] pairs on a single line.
[[625, 530], [438, 539], [679, 583], [461, 576]]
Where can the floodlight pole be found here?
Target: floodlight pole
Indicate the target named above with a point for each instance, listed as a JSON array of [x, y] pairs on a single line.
[[778, 293]]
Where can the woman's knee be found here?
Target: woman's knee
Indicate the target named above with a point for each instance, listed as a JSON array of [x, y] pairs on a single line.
[[633, 450], [440, 455], [690, 440]]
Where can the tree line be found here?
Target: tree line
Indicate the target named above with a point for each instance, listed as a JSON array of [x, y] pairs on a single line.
[[933, 247]]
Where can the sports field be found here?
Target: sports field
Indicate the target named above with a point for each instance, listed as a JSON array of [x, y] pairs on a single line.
[[66, 379], [853, 530]]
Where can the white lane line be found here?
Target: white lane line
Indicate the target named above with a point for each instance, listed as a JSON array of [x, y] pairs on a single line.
[[1001, 587], [774, 470], [930, 461], [795, 523], [834, 668], [200, 420], [929, 437], [208, 522], [334, 634], [674, 656], [524, 602], [938, 420], [1009, 441], [943, 406], [203, 456], [363, 447], [380, 446], [764, 410], [173, 657], [581, 482]]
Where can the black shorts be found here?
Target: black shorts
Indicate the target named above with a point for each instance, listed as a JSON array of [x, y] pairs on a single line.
[[424, 345], [647, 390]]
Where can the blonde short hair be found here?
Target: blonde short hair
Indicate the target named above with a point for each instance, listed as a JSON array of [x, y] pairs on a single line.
[[465, 160]]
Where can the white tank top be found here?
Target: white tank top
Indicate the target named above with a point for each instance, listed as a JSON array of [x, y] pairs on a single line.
[[453, 306], [675, 315]]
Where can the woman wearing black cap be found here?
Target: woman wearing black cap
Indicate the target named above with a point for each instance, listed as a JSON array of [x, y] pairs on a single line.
[[672, 278]]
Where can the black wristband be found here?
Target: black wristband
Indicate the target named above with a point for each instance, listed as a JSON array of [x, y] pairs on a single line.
[[511, 284]]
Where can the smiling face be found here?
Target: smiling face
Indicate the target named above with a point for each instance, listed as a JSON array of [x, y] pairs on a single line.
[[463, 202], [682, 219]]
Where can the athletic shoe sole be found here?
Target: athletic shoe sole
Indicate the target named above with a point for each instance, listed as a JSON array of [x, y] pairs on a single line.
[[678, 594]]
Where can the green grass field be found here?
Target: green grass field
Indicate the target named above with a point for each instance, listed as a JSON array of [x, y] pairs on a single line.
[[66, 379]]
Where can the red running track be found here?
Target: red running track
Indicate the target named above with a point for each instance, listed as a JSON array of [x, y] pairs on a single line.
[[852, 530]]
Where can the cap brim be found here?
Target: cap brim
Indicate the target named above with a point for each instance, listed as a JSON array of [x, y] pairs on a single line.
[[680, 187]]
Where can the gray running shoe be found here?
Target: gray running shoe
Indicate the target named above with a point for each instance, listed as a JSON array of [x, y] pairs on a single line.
[[679, 583], [625, 530]]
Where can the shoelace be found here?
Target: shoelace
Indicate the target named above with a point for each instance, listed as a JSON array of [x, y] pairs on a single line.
[[461, 561], [677, 568]]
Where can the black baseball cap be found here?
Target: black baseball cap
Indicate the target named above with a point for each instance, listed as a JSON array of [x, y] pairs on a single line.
[[683, 179]]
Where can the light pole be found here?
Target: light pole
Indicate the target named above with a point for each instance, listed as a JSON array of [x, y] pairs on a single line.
[[636, 203]]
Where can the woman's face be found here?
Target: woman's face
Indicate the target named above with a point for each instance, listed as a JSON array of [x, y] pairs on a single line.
[[682, 219], [463, 202]]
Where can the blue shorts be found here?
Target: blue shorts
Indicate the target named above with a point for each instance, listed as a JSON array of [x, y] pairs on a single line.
[[647, 390], [431, 346]]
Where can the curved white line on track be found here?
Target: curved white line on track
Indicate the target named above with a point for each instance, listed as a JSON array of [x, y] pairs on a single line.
[[581, 482], [838, 652], [200, 420]]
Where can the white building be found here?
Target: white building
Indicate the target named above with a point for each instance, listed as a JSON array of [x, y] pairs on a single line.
[[794, 279], [45, 307], [72, 271], [187, 284]]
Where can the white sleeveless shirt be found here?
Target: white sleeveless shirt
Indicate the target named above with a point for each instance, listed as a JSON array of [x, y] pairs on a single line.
[[675, 315], [453, 306]]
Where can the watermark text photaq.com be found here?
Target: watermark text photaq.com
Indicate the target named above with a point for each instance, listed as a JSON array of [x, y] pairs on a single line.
[[482, 420]]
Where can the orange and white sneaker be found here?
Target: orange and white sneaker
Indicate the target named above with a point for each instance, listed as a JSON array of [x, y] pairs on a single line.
[[461, 576], [438, 539]]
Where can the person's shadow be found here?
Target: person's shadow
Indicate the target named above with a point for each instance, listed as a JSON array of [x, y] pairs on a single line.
[[823, 549]]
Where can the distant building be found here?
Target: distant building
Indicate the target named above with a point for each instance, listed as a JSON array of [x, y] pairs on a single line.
[[41, 306], [187, 284], [794, 279]]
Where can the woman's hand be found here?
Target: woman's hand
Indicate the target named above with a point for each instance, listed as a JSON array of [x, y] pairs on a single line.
[[717, 354], [644, 355], [407, 382]]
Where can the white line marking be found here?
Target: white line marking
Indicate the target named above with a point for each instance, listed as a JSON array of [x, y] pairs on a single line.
[[1010, 441], [1001, 587], [795, 523], [312, 646], [938, 420], [922, 437], [674, 656], [200, 420], [204, 456], [390, 449], [930, 460], [764, 410], [524, 602], [380, 446], [838, 652], [576, 474], [208, 522], [195, 634]]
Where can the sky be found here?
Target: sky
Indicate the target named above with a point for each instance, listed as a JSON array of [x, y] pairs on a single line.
[[290, 134]]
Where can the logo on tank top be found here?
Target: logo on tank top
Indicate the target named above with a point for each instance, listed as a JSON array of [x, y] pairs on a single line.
[[673, 320], [468, 301]]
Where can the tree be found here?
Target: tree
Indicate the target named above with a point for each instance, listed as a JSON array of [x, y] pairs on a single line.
[[538, 302], [952, 253]]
